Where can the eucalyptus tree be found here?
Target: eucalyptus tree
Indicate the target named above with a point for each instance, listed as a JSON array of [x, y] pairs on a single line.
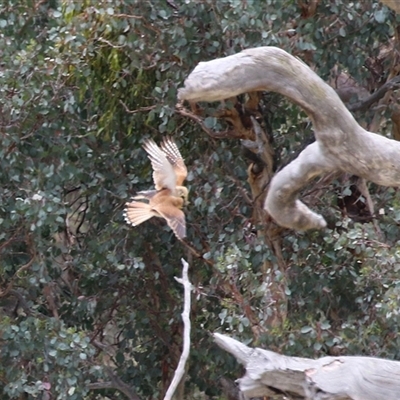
[[90, 308]]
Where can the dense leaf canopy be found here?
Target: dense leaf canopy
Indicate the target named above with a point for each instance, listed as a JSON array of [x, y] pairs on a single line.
[[89, 306]]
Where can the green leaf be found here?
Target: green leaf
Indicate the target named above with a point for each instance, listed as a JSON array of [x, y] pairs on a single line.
[[306, 329], [380, 16]]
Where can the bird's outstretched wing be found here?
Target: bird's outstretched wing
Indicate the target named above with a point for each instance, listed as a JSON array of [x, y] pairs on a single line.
[[175, 219], [170, 149], [164, 175], [145, 195]]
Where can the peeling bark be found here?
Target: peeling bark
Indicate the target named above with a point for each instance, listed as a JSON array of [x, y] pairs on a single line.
[[328, 378], [342, 145], [257, 148], [394, 5], [396, 122]]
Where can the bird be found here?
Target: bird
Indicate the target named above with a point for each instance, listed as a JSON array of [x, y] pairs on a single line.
[[169, 196]]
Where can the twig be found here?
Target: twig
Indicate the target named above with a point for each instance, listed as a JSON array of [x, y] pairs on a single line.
[[128, 16], [215, 135], [196, 253], [115, 383], [363, 105], [7, 290], [180, 370], [100, 39], [8, 241], [141, 109], [363, 188]]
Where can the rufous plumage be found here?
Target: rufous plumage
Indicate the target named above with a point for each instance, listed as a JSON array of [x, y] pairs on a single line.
[[169, 196]]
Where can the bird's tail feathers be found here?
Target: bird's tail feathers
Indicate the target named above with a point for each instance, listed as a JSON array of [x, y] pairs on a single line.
[[136, 212]]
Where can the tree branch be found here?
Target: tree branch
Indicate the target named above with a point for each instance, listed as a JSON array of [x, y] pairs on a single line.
[[342, 145], [328, 378], [180, 370], [394, 5], [376, 96], [10, 285], [141, 109], [115, 383], [186, 113]]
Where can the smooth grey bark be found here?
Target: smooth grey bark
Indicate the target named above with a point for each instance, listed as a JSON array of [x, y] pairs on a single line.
[[328, 378], [341, 145]]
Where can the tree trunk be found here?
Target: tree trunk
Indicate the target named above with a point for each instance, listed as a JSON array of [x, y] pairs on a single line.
[[328, 378], [393, 4]]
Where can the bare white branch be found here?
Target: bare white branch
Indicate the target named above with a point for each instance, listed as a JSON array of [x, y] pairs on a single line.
[[180, 370]]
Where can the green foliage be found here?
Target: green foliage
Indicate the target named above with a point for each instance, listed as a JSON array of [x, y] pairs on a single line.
[[82, 85], [51, 358]]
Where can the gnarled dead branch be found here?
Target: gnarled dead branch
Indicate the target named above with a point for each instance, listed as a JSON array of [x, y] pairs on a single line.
[[328, 378], [342, 145]]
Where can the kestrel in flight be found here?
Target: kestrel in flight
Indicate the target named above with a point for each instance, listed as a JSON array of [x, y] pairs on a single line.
[[169, 172]]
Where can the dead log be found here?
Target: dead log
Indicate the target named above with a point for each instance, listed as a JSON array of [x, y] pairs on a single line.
[[328, 378], [342, 145]]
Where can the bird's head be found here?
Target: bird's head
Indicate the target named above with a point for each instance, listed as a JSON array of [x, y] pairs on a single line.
[[183, 193]]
